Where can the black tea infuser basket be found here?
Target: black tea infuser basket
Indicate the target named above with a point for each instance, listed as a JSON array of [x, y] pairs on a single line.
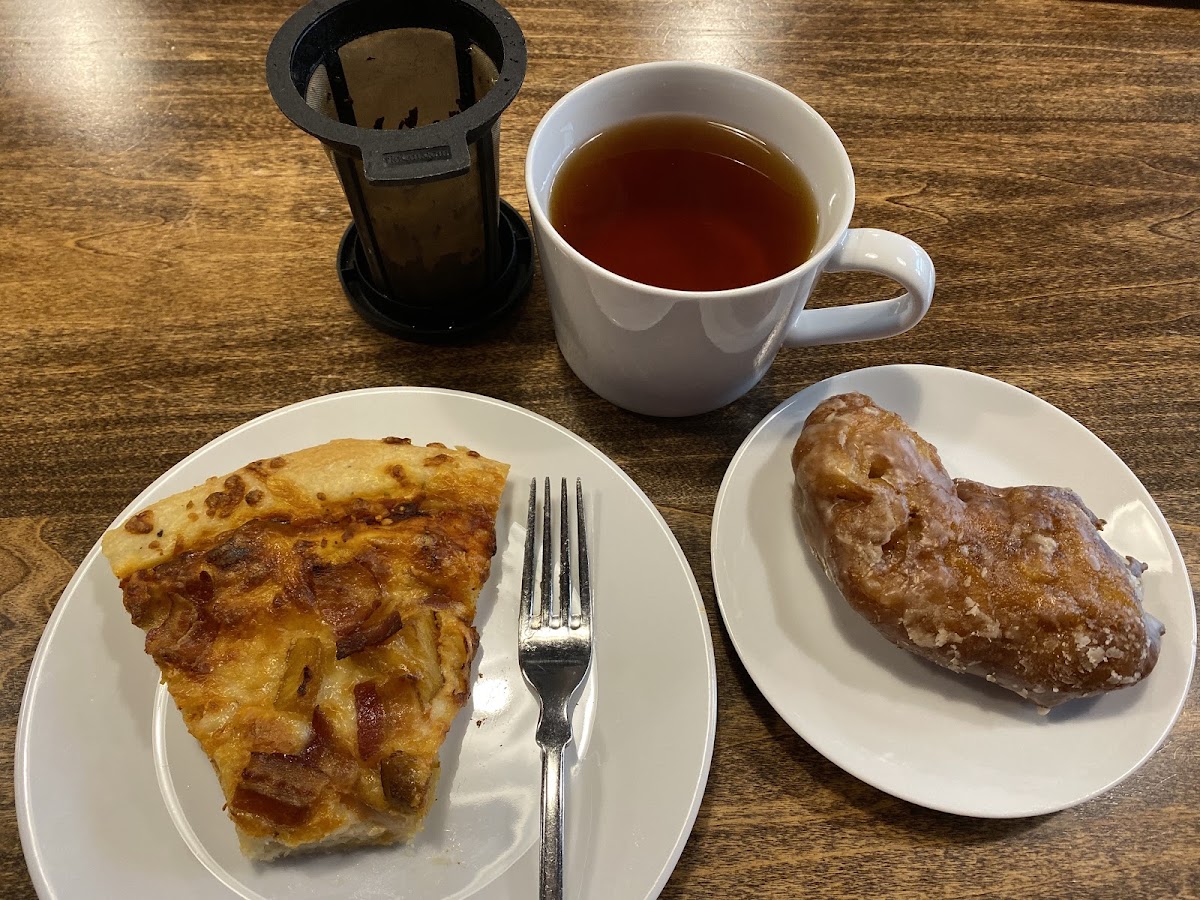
[[407, 98]]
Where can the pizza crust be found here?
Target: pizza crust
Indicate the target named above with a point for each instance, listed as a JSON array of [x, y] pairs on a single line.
[[309, 483]]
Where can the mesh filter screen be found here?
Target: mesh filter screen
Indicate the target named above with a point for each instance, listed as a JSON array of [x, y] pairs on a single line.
[[423, 241]]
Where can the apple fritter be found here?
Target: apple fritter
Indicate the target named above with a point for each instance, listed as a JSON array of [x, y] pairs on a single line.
[[1014, 585]]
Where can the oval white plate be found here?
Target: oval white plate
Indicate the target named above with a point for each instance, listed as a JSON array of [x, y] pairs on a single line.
[[887, 717], [114, 798]]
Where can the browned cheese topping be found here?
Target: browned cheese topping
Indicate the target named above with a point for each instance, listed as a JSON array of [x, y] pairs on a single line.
[[319, 655]]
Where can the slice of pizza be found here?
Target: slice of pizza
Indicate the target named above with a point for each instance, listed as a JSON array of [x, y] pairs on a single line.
[[312, 616]]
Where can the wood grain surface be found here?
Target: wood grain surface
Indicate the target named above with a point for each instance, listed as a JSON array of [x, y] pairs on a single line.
[[167, 246]]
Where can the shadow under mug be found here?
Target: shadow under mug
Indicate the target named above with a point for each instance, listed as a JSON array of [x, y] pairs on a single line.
[[665, 352]]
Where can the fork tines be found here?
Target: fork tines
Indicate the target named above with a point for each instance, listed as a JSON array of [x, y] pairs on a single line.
[[551, 608]]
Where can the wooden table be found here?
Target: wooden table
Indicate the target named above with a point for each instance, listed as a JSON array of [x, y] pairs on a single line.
[[166, 250]]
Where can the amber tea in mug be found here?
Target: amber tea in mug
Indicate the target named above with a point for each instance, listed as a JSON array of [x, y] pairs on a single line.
[[700, 206], [685, 203]]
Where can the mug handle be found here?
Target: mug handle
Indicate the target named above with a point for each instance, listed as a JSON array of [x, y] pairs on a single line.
[[869, 250]]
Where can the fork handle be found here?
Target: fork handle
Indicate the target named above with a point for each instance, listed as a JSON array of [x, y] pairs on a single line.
[[551, 881]]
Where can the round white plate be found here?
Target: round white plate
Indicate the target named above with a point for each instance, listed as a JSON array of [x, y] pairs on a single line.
[[115, 799], [895, 721]]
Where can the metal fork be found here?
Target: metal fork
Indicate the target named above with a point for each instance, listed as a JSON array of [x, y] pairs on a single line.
[[555, 650]]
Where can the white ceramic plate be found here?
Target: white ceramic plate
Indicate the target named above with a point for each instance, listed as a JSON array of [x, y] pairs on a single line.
[[895, 721], [115, 799]]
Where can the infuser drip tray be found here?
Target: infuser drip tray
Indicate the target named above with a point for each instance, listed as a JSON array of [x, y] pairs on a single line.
[[447, 323]]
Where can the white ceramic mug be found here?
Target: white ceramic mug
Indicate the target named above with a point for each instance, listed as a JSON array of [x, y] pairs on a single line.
[[676, 353]]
